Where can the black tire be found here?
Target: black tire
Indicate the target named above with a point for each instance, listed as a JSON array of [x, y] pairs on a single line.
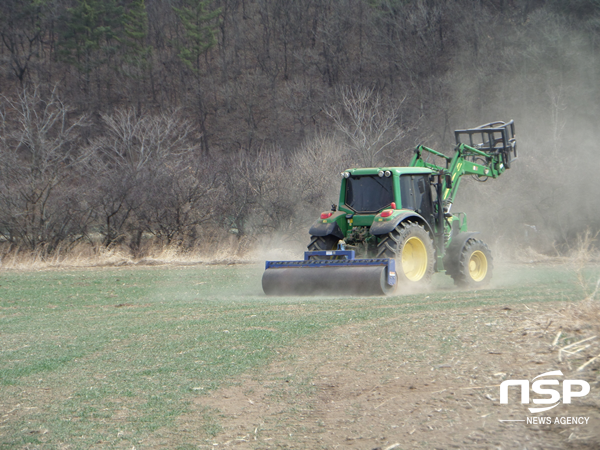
[[412, 248], [321, 243], [474, 266]]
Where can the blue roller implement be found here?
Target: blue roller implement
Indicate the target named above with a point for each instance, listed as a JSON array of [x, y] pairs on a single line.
[[332, 272]]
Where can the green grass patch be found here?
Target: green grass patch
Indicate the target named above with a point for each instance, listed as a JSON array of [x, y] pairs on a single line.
[[113, 356]]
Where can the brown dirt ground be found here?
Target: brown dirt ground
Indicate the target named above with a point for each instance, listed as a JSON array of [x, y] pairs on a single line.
[[429, 380]]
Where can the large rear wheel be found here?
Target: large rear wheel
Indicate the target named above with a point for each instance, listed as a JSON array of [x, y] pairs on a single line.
[[473, 268], [412, 248], [321, 243]]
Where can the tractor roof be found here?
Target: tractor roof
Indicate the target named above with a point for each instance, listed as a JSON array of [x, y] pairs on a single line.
[[395, 170]]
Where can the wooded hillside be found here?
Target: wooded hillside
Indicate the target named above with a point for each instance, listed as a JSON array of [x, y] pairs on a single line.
[[182, 119]]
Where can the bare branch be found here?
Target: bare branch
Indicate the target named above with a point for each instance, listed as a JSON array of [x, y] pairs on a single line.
[[367, 124]]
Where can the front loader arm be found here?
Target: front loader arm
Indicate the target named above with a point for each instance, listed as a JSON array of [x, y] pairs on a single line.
[[459, 165], [489, 153], [470, 161]]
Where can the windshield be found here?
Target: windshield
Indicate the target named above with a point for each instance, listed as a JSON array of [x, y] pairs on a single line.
[[368, 193]]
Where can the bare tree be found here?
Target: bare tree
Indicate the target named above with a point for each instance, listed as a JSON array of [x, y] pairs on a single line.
[[317, 165], [38, 158], [150, 178], [182, 197], [369, 125], [21, 30], [134, 140]]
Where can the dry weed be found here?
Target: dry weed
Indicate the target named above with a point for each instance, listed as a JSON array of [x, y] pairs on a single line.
[[222, 248], [577, 325], [577, 328]]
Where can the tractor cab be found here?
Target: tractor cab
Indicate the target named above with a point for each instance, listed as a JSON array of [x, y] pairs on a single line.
[[369, 191], [373, 200]]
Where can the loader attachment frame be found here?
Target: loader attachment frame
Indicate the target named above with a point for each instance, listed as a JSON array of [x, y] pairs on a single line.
[[493, 137]]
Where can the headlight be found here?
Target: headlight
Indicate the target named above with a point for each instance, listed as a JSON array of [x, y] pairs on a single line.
[[346, 174], [388, 173], [380, 173]]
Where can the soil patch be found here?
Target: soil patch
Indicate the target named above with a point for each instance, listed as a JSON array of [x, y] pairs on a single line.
[[426, 380]]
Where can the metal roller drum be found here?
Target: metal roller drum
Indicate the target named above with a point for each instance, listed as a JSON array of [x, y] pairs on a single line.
[[359, 280]]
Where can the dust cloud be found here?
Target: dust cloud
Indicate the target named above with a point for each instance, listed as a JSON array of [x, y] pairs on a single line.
[[545, 82]]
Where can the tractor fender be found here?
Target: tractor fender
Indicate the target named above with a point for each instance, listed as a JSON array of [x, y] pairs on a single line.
[[379, 228], [456, 245], [325, 229]]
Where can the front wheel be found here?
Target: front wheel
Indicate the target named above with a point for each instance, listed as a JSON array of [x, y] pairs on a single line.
[[412, 248], [473, 269]]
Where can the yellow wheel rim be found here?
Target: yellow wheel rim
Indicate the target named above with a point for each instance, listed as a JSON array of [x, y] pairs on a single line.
[[414, 259], [478, 266]]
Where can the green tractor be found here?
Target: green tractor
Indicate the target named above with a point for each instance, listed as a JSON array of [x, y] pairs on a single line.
[[398, 220]]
